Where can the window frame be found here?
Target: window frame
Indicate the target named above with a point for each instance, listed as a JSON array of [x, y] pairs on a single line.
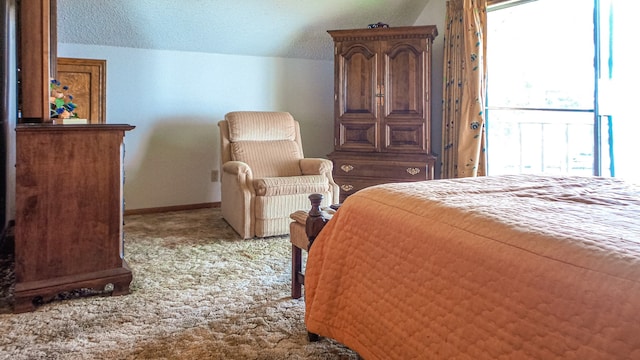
[[493, 5]]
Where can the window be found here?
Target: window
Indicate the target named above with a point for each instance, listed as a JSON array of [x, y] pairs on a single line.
[[618, 99], [550, 87]]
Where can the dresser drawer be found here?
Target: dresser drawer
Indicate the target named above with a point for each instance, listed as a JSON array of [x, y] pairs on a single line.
[[353, 171], [402, 171], [349, 185]]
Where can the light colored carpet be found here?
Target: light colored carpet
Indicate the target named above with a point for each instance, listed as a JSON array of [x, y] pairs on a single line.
[[198, 292]]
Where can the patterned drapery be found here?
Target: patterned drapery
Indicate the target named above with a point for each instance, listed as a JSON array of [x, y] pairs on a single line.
[[464, 89]]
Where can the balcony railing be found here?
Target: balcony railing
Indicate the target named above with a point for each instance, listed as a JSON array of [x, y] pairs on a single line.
[[540, 141]]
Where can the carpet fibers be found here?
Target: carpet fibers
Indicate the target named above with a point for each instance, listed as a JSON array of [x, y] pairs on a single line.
[[198, 292]]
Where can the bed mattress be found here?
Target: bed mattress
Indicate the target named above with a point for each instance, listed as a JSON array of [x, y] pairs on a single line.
[[506, 267]]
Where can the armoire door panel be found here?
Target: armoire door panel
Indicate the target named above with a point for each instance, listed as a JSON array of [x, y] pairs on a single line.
[[405, 86], [357, 95], [358, 136], [404, 137]]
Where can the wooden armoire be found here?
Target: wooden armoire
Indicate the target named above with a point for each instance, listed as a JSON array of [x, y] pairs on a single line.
[[382, 106]]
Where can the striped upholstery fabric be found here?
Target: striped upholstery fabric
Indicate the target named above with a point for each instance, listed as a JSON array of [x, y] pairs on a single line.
[[274, 186], [268, 207], [272, 212], [260, 126], [269, 158]]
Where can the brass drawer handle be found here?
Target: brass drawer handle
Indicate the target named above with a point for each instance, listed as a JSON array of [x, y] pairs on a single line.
[[413, 171], [346, 168], [346, 187]]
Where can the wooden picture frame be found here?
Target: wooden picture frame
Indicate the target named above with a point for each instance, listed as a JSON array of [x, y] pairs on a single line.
[[87, 82]]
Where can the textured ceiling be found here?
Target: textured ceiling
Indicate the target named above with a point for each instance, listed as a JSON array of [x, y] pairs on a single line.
[[280, 28]]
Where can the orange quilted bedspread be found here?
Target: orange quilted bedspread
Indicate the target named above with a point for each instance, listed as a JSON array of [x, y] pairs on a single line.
[[510, 267]]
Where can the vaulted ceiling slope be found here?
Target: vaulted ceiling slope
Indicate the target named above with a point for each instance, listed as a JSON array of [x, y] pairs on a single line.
[[279, 28]]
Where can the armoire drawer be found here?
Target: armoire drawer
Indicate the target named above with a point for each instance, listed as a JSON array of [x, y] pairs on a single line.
[[403, 171], [349, 185]]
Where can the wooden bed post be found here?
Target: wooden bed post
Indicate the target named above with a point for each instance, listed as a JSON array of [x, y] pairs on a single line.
[[315, 223], [315, 220]]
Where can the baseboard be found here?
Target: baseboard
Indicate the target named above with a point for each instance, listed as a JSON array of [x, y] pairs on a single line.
[[172, 208]]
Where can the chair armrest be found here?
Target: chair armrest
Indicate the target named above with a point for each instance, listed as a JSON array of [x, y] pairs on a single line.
[[237, 168], [319, 166], [241, 173], [316, 166]]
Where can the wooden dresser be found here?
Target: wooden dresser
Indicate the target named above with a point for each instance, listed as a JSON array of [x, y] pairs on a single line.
[[69, 211], [382, 106]]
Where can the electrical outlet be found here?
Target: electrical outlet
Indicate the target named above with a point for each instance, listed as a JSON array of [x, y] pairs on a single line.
[[214, 175]]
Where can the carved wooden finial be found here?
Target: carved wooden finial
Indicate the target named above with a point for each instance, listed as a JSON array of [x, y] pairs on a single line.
[[315, 220], [316, 200]]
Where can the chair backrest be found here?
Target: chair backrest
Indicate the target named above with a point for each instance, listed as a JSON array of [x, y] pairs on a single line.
[[269, 142]]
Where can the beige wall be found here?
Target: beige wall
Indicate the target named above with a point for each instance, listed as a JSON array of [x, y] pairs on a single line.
[[175, 98]]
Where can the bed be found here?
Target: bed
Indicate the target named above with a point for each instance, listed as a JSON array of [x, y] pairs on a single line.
[[506, 267]]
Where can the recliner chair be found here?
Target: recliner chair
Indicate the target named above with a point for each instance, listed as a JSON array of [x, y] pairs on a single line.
[[265, 176]]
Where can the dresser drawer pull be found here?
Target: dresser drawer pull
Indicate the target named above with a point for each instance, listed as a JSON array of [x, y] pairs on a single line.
[[346, 168], [346, 187], [413, 171]]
